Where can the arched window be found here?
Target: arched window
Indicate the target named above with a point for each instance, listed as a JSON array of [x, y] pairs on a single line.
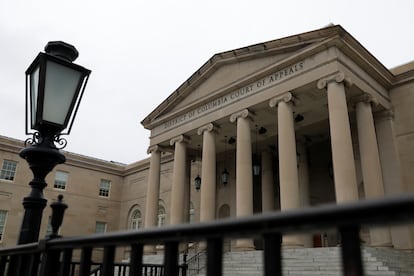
[[191, 213], [161, 215], [136, 220], [224, 211]]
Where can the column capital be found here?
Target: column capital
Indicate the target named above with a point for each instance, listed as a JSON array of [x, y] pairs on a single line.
[[387, 114], [287, 97], [209, 127], [245, 113], [338, 77], [365, 98], [180, 139], [155, 148], [152, 149]]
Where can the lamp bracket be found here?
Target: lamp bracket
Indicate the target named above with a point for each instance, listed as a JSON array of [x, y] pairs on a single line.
[[37, 139]]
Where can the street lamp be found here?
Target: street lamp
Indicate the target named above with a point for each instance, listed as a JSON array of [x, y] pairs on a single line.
[[54, 89]]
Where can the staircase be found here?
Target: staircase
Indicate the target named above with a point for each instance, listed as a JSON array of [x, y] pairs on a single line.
[[317, 261]]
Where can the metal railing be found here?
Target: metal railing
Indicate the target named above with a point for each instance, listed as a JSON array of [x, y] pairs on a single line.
[[54, 257]]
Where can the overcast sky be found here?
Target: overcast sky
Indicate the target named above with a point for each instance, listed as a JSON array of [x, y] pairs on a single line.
[[141, 51]]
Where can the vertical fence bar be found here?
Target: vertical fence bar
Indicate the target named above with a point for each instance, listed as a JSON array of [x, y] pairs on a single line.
[[50, 263], [171, 259], [136, 259], [351, 251], [66, 262], [85, 262], [108, 261], [23, 268], [272, 254], [14, 265], [34, 264], [214, 257], [184, 266], [3, 262]]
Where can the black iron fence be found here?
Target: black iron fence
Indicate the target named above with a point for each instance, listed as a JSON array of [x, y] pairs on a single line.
[[55, 256]]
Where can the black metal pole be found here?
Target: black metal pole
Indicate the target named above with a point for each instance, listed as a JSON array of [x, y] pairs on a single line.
[[42, 158]]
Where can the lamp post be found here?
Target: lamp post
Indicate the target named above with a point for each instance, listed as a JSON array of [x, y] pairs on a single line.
[[54, 88]]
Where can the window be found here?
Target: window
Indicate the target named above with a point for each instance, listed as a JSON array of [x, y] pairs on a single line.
[[100, 227], [161, 215], [61, 178], [136, 220], [191, 214], [3, 216], [104, 188], [8, 170], [49, 229]]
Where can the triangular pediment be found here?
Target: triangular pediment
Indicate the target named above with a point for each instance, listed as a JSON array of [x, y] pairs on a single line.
[[232, 69], [225, 76]]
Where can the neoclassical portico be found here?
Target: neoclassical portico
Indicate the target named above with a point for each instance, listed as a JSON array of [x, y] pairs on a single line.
[[319, 141]]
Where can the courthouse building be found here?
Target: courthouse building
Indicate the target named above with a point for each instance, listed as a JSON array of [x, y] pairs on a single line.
[[300, 121]]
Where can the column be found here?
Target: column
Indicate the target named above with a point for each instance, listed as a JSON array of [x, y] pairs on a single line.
[[178, 180], [268, 195], [346, 188], [244, 171], [288, 170], [303, 174], [391, 173], [208, 174], [153, 191], [370, 163]]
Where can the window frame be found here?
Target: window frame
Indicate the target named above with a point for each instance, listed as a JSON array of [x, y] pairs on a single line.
[[3, 223], [104, 191], [66, 181], [101, 223], [6, 172], [135, 220], [161, 216]]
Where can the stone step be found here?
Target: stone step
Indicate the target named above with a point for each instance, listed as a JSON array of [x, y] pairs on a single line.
[[308, 261]]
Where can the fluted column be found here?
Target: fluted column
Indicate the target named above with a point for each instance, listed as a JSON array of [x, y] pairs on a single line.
[[153, 191], [268, 200], [370, 162], [244, 173], [208, 173], [288, 170], [341, 141], [179, 180]]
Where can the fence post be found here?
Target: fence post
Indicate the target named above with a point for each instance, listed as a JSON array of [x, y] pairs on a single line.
[[351, 251], [51, 258]]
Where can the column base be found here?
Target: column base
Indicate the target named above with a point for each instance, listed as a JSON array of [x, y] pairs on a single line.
[[380, 237], [150, 250], [244, 245], [292, 241], [381, 245]]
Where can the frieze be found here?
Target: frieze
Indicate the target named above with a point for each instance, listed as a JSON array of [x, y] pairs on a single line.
[[231, 97]]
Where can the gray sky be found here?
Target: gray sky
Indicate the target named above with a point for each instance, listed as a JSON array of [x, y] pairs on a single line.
[[141, 51]]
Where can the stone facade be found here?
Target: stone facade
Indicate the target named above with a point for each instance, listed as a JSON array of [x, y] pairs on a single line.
[[324, 119]]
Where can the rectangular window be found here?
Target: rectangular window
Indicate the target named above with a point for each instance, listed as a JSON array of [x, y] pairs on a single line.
[[104, 187], [3, 216], [100, 227], [8, 170], [61, 178], [49, 229]]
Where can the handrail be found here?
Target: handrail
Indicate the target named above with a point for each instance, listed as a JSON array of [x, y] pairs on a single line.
[[347, 218], [375, 212]]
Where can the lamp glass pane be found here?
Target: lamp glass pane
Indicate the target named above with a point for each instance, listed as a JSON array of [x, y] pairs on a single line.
[[60, 89], [34, 89]]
